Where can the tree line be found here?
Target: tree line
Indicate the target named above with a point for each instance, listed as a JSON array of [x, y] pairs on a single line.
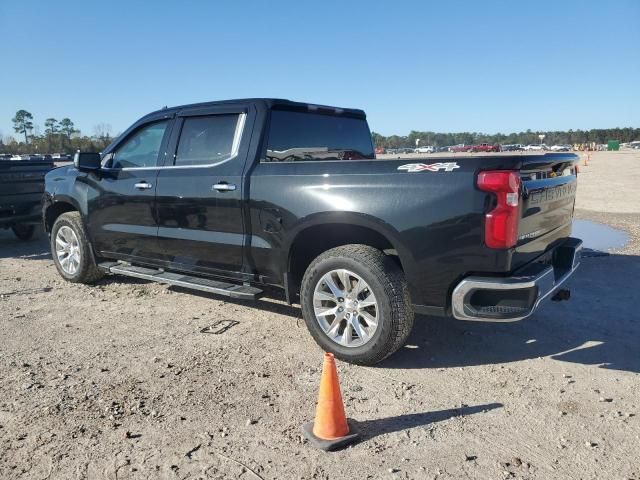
[[58, 136], [61, 136], [570, 137]]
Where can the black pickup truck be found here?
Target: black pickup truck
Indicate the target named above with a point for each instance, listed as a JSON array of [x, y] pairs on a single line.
[[229, 197], [21, 187]]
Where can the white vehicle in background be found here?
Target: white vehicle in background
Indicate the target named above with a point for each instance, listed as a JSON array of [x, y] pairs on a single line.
[[560, 148], [426, 149], [538, 147]]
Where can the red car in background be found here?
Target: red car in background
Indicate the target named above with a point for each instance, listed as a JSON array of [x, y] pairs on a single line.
[[485, 147], [461, 148], [380, 150]]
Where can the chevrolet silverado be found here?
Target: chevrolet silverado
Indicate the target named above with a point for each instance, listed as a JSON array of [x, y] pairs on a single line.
[[230, 197]]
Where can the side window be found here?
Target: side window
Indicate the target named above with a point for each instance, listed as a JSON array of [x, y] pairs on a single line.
[[303, 136], [142, 148], [207, 140]]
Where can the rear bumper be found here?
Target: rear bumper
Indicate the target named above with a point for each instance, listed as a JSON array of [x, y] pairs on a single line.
[[26, 209], [9, 219], [508, 299]]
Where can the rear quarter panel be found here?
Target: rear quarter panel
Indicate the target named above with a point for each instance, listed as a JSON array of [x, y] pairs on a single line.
[[433, 219]]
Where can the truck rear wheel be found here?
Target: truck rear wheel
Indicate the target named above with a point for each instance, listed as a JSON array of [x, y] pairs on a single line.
[[23, 232], [355, 302], [71, 250]]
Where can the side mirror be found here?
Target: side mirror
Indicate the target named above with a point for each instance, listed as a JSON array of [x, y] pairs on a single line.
[[87, 160]]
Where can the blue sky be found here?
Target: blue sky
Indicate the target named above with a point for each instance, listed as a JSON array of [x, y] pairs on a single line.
[[444, 66]]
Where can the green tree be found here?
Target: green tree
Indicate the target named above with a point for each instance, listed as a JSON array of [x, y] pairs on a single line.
[[67, 127], [51, 126], [22, 123], [378, 140], [51, 129]]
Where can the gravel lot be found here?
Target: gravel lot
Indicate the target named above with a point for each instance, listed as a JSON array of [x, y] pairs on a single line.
[[118, 381]]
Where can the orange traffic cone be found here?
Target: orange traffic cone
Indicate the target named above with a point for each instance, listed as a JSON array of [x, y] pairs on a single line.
[[330, 430]]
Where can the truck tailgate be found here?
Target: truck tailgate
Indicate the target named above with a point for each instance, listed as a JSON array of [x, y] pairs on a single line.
[[549, 185], [21, 185]]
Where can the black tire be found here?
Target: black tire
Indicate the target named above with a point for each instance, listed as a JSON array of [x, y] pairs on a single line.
[[88, 271], [388, 284], [23, 232]]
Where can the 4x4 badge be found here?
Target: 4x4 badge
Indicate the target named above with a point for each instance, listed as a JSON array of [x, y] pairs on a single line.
[[432, 167]]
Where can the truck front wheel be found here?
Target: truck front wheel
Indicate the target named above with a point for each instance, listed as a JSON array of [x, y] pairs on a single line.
[[71, 250], [355, 302]]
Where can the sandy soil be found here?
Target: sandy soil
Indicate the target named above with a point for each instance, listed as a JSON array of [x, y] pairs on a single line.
[[117, 380]]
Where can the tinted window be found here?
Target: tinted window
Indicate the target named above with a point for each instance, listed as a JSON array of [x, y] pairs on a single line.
[[206, 140], [142, 148], [299, 136]]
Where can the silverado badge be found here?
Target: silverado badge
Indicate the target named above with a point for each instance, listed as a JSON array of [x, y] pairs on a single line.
[[432, 167]]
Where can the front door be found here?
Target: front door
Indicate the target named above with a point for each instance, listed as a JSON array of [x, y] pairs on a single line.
[[121, 217], [199, 193]]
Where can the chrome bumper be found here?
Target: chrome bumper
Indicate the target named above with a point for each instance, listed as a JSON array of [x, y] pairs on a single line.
[[522, 293]]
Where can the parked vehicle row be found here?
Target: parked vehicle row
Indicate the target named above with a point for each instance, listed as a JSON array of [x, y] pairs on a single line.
[[537, 147], [514, 147], [460, 148], [60, 157], [561, 148], [429, 149], [486, 147], [481, 147]]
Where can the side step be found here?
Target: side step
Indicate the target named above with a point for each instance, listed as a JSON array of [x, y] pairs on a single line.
[[243, 292]]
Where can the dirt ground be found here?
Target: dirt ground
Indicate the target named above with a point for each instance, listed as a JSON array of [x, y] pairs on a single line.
[[118, 381]]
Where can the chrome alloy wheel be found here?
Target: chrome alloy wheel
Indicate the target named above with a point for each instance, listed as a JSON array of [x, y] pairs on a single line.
[[68, 250], [346, 308]]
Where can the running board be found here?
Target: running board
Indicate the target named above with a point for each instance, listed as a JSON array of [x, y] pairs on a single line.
[[243, 292]]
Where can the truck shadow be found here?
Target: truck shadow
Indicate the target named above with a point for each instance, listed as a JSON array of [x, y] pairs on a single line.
[[599, 326], [35, 249], [273, 301]]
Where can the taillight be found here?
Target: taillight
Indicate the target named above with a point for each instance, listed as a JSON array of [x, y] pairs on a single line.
[[501, 223]]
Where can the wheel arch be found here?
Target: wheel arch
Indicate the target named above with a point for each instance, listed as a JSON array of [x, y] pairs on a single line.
[[55, 209], [323, 232]]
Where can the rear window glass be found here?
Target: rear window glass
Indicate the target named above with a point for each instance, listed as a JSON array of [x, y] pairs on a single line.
[[206, 140], [301, 136]]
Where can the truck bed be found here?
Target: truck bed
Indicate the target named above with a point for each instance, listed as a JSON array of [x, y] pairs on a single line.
[[21, 188]]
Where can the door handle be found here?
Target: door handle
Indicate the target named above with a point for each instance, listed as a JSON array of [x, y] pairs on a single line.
[[143, 186], [224, 187]]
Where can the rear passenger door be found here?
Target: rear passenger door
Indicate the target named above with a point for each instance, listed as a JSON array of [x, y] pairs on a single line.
[[199, 191]]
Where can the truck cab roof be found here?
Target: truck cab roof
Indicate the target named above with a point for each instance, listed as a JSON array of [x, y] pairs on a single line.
[[270, 103]]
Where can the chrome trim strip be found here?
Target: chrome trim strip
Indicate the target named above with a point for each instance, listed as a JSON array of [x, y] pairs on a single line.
[[235, 148], [545, 282]]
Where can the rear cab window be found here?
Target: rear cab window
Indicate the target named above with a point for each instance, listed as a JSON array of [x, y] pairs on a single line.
[[308, 136]]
